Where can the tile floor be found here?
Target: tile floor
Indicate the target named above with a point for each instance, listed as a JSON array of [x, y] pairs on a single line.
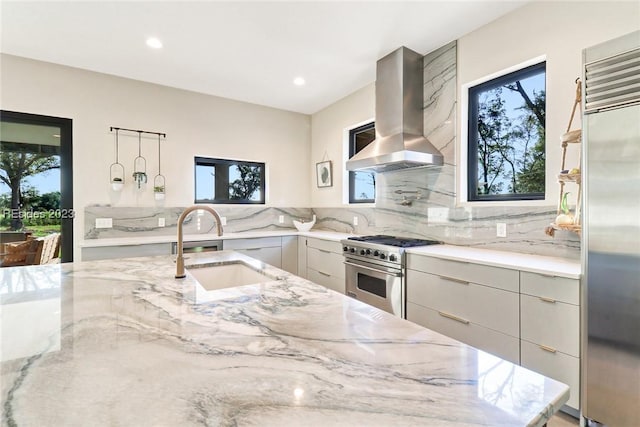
[[563, 420]]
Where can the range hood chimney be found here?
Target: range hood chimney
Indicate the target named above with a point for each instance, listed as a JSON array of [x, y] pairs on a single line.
[[399, 139]]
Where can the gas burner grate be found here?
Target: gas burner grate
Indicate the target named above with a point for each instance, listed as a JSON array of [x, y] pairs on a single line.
[[401, 242]]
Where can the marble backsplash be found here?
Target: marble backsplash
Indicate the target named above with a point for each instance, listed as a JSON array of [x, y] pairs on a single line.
[[459, 226], [143, 221]]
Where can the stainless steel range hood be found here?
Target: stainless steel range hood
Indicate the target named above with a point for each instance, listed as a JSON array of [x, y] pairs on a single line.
[[399, 139]]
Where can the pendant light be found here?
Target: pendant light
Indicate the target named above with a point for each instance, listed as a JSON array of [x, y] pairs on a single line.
[[158, 180], [140, 166], [116, 171]]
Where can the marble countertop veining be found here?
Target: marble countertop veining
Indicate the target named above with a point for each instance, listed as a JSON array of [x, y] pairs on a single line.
[[121, 342], [518, 261], [148, 240]]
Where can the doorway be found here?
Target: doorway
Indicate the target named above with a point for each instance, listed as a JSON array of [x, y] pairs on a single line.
[[36, 185]]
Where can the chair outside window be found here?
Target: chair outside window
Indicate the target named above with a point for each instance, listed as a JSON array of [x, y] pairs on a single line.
[[43, 250]]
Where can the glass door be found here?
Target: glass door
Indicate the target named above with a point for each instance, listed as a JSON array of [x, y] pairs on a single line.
[[36, 194]]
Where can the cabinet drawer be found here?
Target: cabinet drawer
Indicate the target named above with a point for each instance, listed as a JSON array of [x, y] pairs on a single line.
[[272, 256], [262, 242], [125, 251], [552, 324], [326, 280], [485, 306], [502, 345], [561, 367], [325, 245], [302, 257], [557, 288], [502, 278], [326, 262]]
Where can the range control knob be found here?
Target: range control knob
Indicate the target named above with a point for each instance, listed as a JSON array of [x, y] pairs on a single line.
[[376, 253], [345, 249], [368, 252], [362, 252], [382, 256], [392, 258], [352, 250]]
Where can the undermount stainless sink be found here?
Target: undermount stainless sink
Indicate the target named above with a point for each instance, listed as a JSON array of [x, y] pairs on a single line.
[[226, 275]]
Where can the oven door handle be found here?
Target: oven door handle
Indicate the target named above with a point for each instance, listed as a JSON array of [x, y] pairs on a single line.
[[388, 273]]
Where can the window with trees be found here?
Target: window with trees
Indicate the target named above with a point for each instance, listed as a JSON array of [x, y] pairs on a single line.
[[506, 152], [362, 185], [229, 181]]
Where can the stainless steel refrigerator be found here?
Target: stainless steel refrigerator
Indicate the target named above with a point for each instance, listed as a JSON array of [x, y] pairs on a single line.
[[611, 234]]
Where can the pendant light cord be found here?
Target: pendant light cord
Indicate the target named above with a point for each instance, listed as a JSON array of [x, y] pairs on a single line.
[[117, 146], [159, 172]]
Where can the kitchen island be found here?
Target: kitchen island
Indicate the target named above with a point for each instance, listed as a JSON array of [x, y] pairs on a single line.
[[121, 342]]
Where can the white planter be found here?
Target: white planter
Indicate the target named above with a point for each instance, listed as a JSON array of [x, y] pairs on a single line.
[[158, 196], [117, 186]]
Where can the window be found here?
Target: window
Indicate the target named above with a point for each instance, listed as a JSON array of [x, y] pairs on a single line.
[[362, 185], [506, 155], [229, 181], [36, 185]]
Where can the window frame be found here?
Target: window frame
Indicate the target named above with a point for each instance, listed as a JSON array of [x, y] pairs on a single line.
[[210, 161], [352, 151], [518, 73]]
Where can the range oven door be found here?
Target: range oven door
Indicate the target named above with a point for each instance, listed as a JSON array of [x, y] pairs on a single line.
[[377, 285]]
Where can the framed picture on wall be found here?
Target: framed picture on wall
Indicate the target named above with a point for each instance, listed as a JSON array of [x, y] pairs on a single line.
[[324, 174]]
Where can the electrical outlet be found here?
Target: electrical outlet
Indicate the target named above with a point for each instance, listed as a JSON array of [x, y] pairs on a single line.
[[355, 220], [281, 219], [501, 229], [160, 222], [104, 222], [223, 220]]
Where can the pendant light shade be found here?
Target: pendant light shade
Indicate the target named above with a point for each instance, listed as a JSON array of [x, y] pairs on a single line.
[[140, 166], [159, 180]]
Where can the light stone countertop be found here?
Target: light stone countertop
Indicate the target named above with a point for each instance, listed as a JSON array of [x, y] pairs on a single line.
[[121, 342], [513, 260], [148, 240]]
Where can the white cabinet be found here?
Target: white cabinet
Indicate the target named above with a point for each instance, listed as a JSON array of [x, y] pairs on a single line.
[[302, 257], [550, 329], [265, 249], [125, 251], [523, 317], [290, 254], [325, 263], [467, 302]]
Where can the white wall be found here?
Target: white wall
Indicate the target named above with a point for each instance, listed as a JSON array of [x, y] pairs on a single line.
[[327, 136], [559, 31], [195, 124]]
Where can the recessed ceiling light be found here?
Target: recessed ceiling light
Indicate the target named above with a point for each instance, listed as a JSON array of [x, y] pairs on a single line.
[[299, 81], [154, 43]]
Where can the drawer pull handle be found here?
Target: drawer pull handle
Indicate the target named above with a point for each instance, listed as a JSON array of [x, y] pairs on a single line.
[[452, 317], [451, 279], [550, 276], [324, 251], [545, 299], [252, 249], [549, 349], [324, 274]]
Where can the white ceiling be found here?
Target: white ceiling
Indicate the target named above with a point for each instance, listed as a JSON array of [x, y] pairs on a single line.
[[249, 51]]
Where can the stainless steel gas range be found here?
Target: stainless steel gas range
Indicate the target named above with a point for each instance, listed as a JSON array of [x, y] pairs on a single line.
[[375, 270]]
